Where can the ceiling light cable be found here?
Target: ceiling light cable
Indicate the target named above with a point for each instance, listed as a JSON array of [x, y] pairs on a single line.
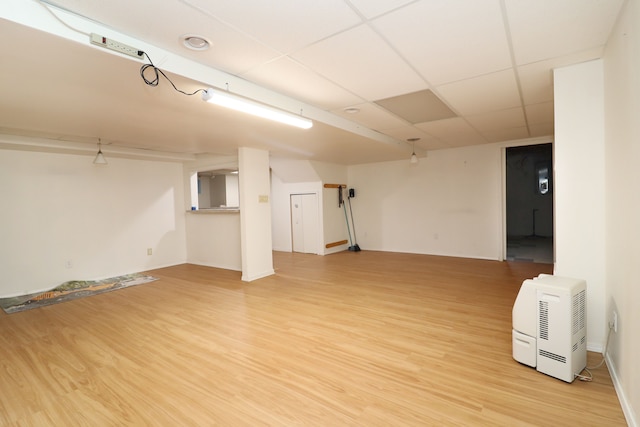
[[157, 72], [47, 5], [229, 100]]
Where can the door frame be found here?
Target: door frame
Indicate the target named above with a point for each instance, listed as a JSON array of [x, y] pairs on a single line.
[[503, 165]]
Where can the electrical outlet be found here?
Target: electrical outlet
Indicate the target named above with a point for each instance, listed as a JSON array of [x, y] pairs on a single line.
[[149, 251], [99, 40], [614, 321]]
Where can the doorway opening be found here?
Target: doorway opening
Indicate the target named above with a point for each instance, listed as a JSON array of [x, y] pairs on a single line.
[[529, 203]]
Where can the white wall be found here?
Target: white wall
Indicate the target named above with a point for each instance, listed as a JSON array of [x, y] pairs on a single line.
[[622, 134], [213, 239], [61, 210], [217, 191], [232, 191], [450, 203], [204, 192], [579, 186], [334, 223]]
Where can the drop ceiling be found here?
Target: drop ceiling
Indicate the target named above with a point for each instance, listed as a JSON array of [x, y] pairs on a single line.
[[371, 73]]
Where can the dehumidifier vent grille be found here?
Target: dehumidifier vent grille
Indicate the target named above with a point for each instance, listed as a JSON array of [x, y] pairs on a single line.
[[553, 356], [544, 319], [578, 312]]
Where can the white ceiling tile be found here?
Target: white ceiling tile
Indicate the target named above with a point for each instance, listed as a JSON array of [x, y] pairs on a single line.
[[491, 92], [539, 113], [541, 130], [544, 29], [293, 79], [510, 118], [536, 82], [225, 45], [165, 31], [349, 52], [285, 26], [449, 40], [371, 116], [536, 79], [373, 8], [349, 60], [417, 107], [455, 132], [426, 141], [506, 134]]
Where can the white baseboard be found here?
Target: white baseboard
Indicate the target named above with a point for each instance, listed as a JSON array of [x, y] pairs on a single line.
[[595, 347], [246, 278], [624, 402]]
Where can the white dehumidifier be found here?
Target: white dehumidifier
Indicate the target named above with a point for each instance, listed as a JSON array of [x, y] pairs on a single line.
[[550, 326]]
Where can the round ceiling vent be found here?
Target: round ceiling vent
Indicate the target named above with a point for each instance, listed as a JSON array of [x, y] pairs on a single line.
[[194, 42]]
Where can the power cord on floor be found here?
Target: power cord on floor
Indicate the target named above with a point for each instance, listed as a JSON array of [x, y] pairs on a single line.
[[589, 376]]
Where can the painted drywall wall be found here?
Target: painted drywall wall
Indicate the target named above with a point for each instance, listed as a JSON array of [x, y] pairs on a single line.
[[334, 223], [204, 192], [447, 204], [579, 186], [213, 239], [232, 190], [255, 214], [64, 218], [622, 181]]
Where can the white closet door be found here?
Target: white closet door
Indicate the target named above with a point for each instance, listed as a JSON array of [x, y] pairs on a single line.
[[304, 223]]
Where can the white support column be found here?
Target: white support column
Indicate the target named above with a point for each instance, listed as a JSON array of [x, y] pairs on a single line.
[[255, 214]]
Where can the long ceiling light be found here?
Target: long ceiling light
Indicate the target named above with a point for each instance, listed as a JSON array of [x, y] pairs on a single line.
[[228, 100]]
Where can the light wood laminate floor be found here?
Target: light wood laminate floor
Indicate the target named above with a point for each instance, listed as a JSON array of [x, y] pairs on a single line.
[[355, 338]]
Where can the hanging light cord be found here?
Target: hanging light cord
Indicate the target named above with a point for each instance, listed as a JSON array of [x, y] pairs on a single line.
[[157, 72]]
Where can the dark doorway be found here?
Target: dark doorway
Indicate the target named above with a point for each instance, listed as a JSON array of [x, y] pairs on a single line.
[[530, 203]]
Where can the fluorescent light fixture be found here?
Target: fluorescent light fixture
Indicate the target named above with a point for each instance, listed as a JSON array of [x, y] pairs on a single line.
[[228, 100]]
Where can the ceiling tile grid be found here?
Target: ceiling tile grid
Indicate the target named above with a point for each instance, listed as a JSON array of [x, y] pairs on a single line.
[[372, 8], [449, 40], [371, 116], [454, 132], [294, 79], [286, 26], [491, 62], [360, 60], [489, 92], [544, 29]]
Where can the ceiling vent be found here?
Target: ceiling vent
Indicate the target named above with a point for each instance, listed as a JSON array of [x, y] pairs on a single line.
[[417, 107]]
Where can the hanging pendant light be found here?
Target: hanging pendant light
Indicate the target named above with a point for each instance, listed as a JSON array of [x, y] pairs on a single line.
[[100, 160], [414, 159]]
